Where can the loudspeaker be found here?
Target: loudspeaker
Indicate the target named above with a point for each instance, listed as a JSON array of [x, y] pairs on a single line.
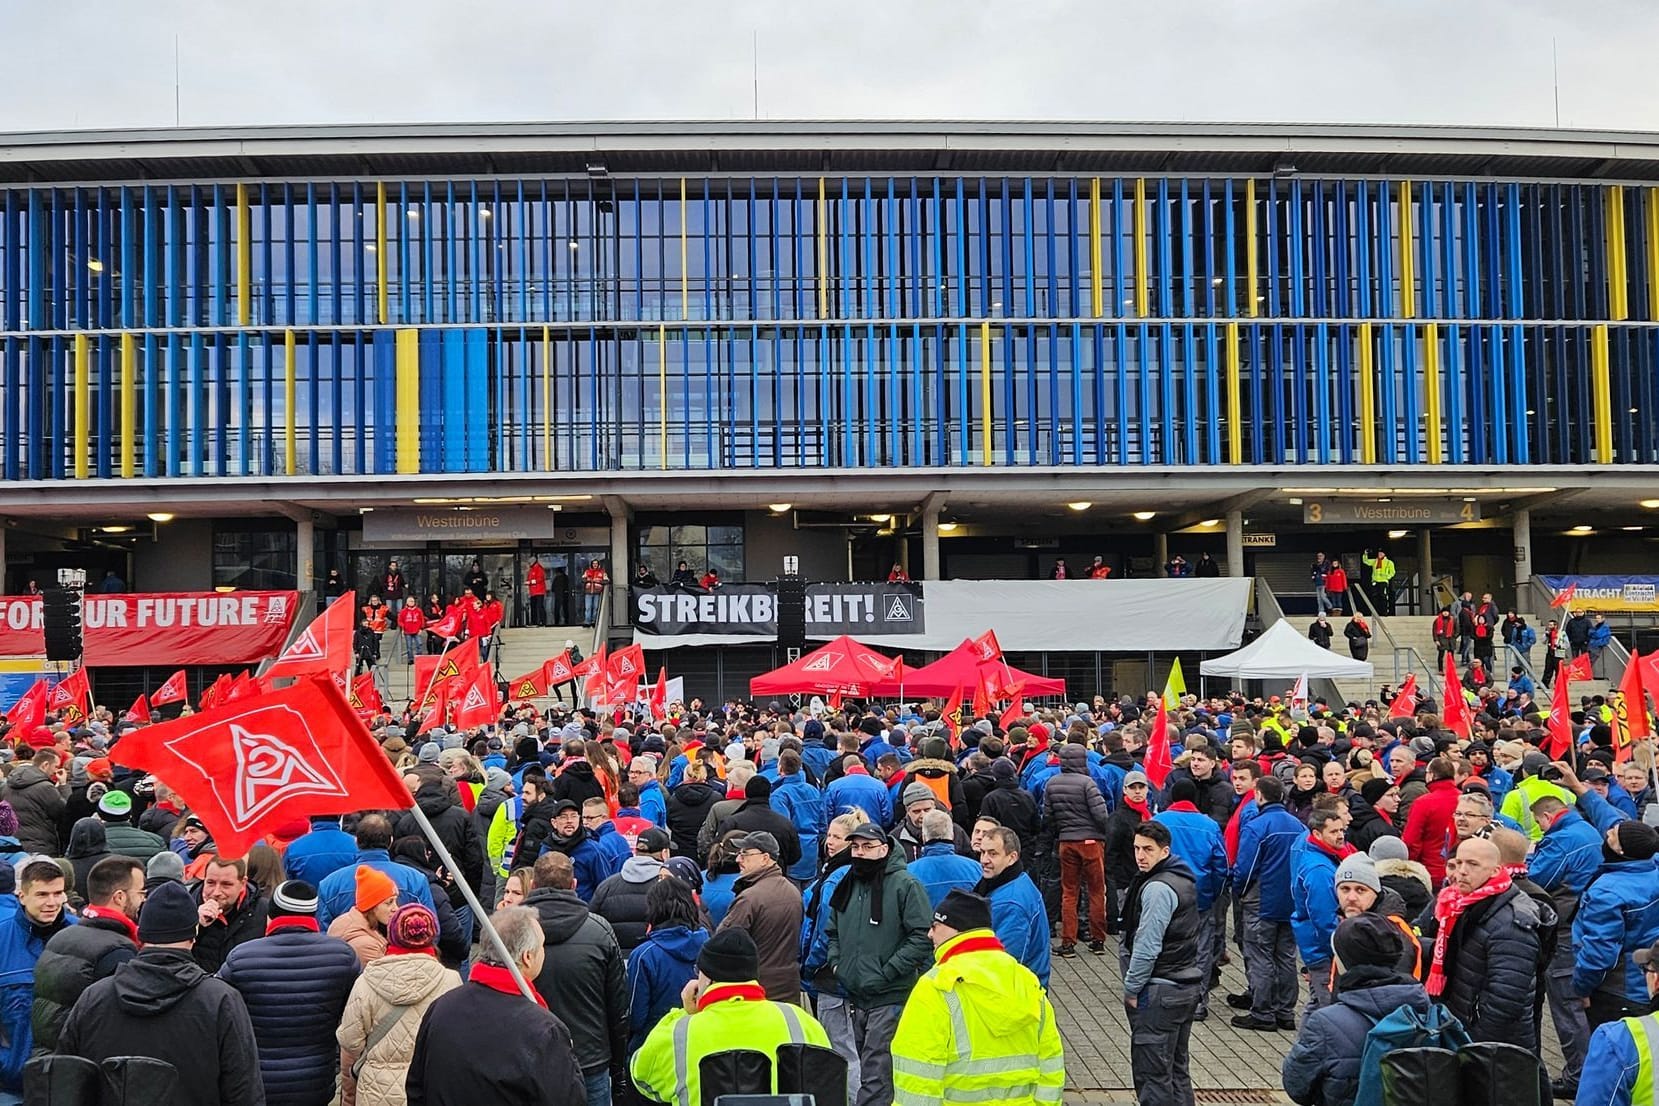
[[61, 617], [791, 612]]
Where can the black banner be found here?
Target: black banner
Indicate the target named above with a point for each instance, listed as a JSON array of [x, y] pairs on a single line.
[[734, 610], [874, 608]]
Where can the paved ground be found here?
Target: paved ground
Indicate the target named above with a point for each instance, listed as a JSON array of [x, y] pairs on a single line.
[[1228, 1065]]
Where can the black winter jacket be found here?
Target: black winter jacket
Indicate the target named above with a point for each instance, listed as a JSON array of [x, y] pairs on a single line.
[[39, 804], [1494, 964], [74, 959], [1215, 795], [294, 984], [974, 790], [620, 900], [583, 979], [1368, 825], [688, 809], [162, 1005], [242, 922], [479, 1045], [1322, 1068], [454, 827], [757, 814], [1073, 807], [1015, 808], [578, 784]]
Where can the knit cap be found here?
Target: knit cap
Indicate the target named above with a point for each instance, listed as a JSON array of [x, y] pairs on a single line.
[[294, 897], [412, 927], [1389, 847], [373, 888], [1359, 868], [168, 916], [729, 956]]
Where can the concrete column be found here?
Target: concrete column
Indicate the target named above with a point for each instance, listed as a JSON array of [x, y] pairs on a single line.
[[619, 567], [1235, 543], [1425, 565], [1160, 552], [930, 543], [305, 545], [1523, 548]]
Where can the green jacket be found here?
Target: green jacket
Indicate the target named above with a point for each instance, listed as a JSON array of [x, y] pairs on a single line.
[[877, 965], [124, 839]]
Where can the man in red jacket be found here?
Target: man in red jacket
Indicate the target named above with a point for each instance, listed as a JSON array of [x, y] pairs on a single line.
[[1430, 824]]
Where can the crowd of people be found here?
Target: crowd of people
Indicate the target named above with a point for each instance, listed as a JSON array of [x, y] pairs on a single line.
[[870, 884]]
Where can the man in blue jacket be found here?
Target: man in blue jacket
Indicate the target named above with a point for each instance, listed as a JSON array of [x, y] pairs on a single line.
[[338, 892], [321, 852], [40, 913], [1017, 913], [1315, 910], [803, 804], [939, 866], [1261, 880], [857, 788], [653, 804], [1196, 840], [1622, 1054], [1562, 863], [1618, 913]]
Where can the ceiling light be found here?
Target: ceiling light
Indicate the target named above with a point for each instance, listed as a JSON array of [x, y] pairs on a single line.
[[1650, 504], [1216, 280], [1396, 535], [1294, 502], [1581, 529], [1145, 516], [881, 518], [115, 529], [779, 508], [483, 213], [1384, 499], [1630, 528], [1080, 505], [1211, 522], [94, 264], [947, 527], [370, 246], [1470, 499], [225, 589], [159, 516]]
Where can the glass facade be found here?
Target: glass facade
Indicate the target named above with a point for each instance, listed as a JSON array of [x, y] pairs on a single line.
[[270, 328]]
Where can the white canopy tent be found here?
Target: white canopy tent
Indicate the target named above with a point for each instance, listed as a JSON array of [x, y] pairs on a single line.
[[1283, 653]]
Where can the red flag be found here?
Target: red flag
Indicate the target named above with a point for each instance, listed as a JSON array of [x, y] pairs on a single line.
[[175, 690], [452, 665], [1565, 595], [1629, 712], [249, 766], [557, 671], [245, 685], [987, 648], [30, 710], [138, 712], [1405, 703], [994, 679], [1157, 763], [1559, 726], [531, 685], [627, 663], [1016, 708], [982, 697], [476, 702], [592, 672], [1579, 668], [1455, 711], [323, 646], [659, 695], [951, 716], [449, 626], [215, 692], [365, 696], [434, 711], [72, 698]]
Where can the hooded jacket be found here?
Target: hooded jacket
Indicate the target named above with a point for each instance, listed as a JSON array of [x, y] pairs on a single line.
[[163, 1005], [1618, 913], [1313, 892], [582, 979], [577, 782], [862, 790], [770, 909], [1197, 841], [942, 870], [39, 804], [1323, 1066], [1073, 807], [878, 963], [413, 981], [1410, 881], [442, 807], [658, 971], [87, 846], [757, 814], [319, 853], [620, 899], [294, 984], [688, 809], [586, 856], [940, 777], [803, 804], [1264, 860], [1015, 808]]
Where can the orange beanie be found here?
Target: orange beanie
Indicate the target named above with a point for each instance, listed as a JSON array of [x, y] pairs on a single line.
[[373, 888]]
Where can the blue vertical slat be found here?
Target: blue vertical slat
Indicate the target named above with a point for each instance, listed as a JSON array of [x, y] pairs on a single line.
[[1163, 229], [1143, 365], [475, 432], [1122, 291], [1029, 249], [1409, 391], [1340, 296], [1387, 377], [1346, 416], [1451, 295], [1187, 273], [1297, 244], [1190, 416], [440, 393], [1362, 251], [1206, 224], [1385, 237], [1429, 304], [1260, 442], [1212, 394], [1318, 243], [1229, 276], [1274, 309], [1321, 391], [1076, 391], [1053, 308], [1120, 416], [1452, 359], [196, 412], [1499, 374]]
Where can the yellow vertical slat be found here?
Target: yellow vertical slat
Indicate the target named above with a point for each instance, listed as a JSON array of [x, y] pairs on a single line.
[[823, 251], [1142, 306], [1601, 393], [408, 400], [662, 389], [1367, 399], [547, 398], [380, 247], [244, 257], [685, 255], [985, 388], [290, 395], [129, 403], [83, 404], [1652, 214], [1235, 400], [1618, 287], [1408, 262], [1431, 390], [1098, 301], [1250, 262]]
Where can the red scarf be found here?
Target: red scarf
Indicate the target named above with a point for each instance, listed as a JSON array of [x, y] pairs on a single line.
[[291, 921], [724, 992], [1340, 854], [987, 943], [128, 926], [397, 950], [1184, 806], [1143, 807], [497, 978], [1448, 908]]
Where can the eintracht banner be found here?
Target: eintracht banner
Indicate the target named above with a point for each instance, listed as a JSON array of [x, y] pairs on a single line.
[[161, 628]]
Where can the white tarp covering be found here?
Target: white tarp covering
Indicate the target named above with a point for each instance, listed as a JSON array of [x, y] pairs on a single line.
[[1284, 653]]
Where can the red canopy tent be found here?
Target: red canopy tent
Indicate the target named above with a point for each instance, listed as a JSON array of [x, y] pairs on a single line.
[[959, 670], [842, 665]]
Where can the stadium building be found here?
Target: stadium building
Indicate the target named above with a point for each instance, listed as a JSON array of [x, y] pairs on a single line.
[[235, 358]]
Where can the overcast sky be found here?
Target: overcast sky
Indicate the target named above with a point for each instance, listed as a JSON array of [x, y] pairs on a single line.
[[110, 63]]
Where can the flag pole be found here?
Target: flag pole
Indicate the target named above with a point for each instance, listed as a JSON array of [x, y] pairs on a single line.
[[478, 911]]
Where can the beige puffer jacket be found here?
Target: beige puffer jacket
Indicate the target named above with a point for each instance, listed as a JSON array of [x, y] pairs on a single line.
[[413, 980]]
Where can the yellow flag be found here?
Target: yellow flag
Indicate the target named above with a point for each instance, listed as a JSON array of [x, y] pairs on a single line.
[[1174, 687]]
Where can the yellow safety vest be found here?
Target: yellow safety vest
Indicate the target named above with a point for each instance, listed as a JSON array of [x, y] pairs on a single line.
[[1644, 1033]]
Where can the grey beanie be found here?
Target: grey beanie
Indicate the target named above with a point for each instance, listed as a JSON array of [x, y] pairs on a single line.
[[1359, 868], [916, 792], [165, 865], [1389, 847]]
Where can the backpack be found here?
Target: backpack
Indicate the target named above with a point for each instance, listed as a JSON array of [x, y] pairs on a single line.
[[1404, 1028]]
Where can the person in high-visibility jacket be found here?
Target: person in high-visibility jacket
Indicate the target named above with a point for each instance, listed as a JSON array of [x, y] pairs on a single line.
[[1012, 1055], [724, 1008], [1620, 1065]]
